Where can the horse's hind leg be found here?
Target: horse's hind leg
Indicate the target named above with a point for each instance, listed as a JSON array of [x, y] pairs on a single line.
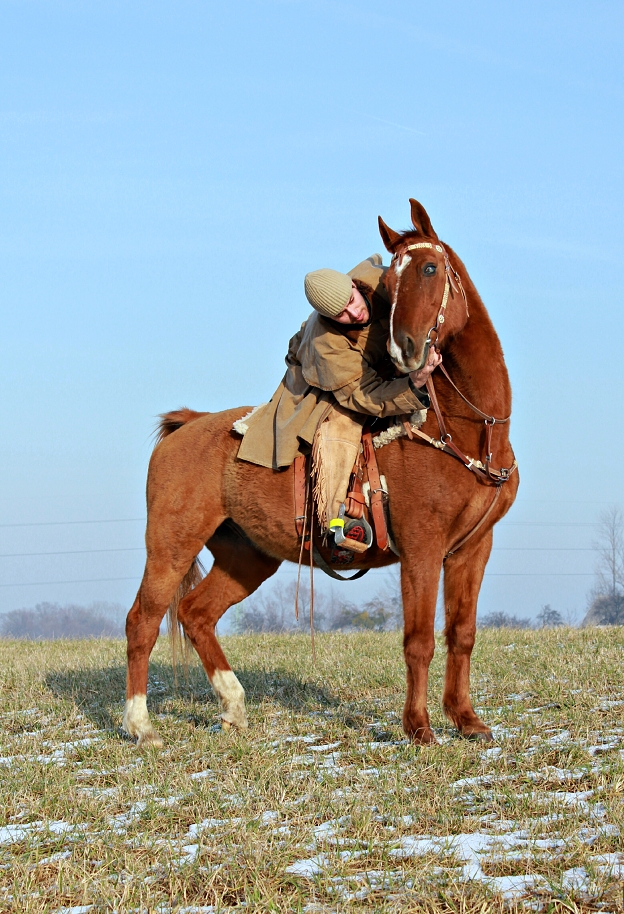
[[463, 574], [160, 582], [239, 569]]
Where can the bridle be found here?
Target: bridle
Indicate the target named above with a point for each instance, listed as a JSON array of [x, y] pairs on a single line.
[[452, 285], [484, 471]]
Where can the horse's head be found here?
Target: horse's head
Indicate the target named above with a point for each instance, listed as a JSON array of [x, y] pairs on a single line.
[[421, 283]]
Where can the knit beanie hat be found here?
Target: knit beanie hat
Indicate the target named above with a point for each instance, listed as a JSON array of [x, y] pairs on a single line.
[[328, 291]]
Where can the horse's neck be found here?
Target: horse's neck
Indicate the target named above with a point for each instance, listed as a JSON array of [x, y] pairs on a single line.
[[475, 362]]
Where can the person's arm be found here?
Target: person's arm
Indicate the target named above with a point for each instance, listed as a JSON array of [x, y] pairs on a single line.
[[293, 347], [371, 395]]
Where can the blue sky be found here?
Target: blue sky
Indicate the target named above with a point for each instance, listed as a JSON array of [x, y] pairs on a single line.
[[170, 171]]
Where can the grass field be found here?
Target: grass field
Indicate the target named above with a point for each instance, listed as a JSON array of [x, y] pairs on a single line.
[[321, 805]]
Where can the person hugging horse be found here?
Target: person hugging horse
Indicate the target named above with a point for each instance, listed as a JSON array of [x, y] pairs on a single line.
[[338, 376]]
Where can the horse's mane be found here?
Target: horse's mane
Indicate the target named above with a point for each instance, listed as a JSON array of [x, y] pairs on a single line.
[[172, 421]]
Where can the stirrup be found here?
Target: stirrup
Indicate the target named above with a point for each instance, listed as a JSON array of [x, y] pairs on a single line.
[[341, 528]]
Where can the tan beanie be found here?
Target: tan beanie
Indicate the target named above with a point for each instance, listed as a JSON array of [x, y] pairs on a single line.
[[328, 291]]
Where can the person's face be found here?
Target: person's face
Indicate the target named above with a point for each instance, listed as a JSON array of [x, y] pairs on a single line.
[[355, 311]]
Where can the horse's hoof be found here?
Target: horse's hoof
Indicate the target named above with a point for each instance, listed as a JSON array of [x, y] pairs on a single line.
[[483, 736], [423, 737], [150, 741], [239, 724]]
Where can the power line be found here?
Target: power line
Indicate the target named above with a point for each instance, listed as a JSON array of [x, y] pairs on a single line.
[[545, 523], [488, 574], [539, 574], [134, 577], [128, 520], [68, 523], [540, 549], [18, 555]]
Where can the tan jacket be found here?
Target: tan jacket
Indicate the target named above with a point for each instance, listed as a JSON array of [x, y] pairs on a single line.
[[328, 365]]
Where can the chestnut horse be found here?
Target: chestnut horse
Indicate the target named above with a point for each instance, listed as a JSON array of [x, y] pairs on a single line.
[[199, 494]]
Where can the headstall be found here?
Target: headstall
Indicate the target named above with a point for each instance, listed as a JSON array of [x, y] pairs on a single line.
[[484, 471]]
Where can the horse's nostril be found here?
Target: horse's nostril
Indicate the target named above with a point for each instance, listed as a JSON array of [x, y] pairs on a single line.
[[408, 347]]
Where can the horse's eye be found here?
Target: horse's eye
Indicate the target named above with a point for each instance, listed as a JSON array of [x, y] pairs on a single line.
[[429, 269]]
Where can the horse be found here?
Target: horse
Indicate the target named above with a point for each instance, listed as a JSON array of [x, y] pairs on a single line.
[[443, 504]]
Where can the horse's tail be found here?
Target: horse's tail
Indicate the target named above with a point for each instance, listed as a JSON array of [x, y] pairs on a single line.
[[171, 422], [180, 643]]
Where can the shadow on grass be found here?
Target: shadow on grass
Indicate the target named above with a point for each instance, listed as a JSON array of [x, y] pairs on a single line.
[[99, 693]]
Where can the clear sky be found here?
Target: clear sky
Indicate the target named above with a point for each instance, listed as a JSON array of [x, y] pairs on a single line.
[[170, 171]]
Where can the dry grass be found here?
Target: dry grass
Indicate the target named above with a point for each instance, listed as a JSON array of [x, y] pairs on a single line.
[[91, 821]]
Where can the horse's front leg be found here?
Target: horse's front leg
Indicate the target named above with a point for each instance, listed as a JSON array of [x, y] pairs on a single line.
[[419, 585], [463, 575]]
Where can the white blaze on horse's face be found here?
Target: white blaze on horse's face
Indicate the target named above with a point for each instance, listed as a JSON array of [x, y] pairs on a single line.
[[395, 351]]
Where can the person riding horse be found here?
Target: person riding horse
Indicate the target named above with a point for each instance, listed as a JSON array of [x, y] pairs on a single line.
[[338, 375]]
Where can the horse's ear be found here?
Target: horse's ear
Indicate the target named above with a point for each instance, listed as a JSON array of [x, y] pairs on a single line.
[[389, 237], [421, 220]]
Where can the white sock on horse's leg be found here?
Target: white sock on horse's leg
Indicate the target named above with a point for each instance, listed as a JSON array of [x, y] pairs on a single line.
[[231, 697], [136, 722]]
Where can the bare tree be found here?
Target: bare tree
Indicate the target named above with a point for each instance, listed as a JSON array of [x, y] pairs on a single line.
[[50, 621], [548, 617], [606, 598], [500, 619], [610, 548], [273, 610]]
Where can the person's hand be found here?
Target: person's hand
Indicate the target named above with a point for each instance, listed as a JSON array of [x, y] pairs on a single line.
[[419, 378]]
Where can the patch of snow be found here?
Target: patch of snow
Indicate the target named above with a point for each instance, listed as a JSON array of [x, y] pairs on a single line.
[[211, 824], [62, 828], [97, 792], [58, 758], [328, 829], [189, 853], [500, 732], [12, 834], [603, 747], [200, 775], [481, 780], [74, 744], [609, 865], [76, 909], [309, 868], [589, 835], [513, 887], [606, 704], [198, 909], [268, 817], [577, 880], [310, 738], [493, 753], [326, 748], [62, 855]]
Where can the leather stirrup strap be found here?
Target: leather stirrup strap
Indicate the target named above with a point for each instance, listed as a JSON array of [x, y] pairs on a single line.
[[300, 493], [376, 492], [322, 564]]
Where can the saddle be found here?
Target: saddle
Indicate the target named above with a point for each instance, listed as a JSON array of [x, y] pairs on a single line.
[[364, 502]]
